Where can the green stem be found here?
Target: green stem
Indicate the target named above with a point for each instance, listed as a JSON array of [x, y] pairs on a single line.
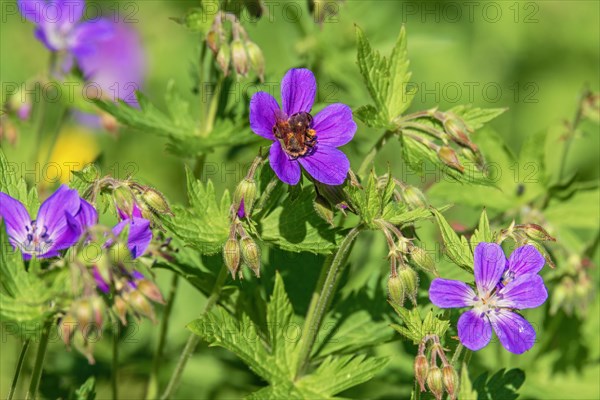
[[456, 354], [193, 340], [13, 385], [321, 299], [114, 378], [362, 170], [212, 109], [38, 367], [152, 389]]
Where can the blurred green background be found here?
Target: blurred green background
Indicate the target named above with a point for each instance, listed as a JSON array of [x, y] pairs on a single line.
[[532, 57]]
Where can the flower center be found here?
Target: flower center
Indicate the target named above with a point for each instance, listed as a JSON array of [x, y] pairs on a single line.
[[37, 241], [485, 305], [295, 134]]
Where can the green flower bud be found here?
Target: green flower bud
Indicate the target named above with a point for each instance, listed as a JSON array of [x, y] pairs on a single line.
[[67, 327], [536, 232], [323, 209], [410, 282], [212, 41], [150, 290], [141, 305], [124, 199], [224, 58], [448, 157], [413, 197], [231, 255], [246, 191], [120, 308], [84, 315], [421, 370], [396, 291], [435, 382], [457, 130], [257, 60], [450, 379], [423, 260], [251, 254], [155, 201], [239, 57], [98, 307]]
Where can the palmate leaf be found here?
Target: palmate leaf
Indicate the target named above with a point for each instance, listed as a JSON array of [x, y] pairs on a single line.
[[457, 247], [386, 81], [272, 352], [414, 328], [295, 226], [205, 224]]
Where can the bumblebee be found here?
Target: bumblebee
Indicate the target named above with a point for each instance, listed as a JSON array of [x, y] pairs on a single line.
[[295, 135]]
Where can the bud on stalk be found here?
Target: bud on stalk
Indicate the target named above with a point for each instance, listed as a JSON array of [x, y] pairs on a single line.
[[155, 201], [449, 157], [251, 254], [120, 308], [423, 260], [410, 282], [413, 197], [323, 209], [246, 193], [536, 232], [435, 382], [396, 291], [450, 379], [421, 370], [239, 57], [141, 305], [150, 290], [224, 57], [67, 327], [257, 60], [124, 200], [231, 255]]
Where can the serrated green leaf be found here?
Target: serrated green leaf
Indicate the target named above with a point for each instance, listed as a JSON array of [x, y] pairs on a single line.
[[415, 328], [87, 391], [386, 81], [372, 207], [295, 226], [205, 224], [10, 183], [457, 248], [483, 232], [475, 117]]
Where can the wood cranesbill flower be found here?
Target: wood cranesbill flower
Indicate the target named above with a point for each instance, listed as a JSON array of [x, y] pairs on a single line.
[[53, 230], [299, 139], [493, 301], [59, 26]]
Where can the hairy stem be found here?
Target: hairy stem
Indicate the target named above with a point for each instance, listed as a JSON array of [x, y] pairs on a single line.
[[321, 300], [38, 367], [13, 385], [152, 388], [193, 340]]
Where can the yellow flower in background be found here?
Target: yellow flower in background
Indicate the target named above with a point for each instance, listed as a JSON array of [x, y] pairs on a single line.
[[75, 148]]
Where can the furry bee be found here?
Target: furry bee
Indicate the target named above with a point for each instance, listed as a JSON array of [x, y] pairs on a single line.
[[295, 134]]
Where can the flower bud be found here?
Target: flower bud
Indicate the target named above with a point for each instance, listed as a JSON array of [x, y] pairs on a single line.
[[124, 200], [450, 379], [448, 157], [109, 123], [457, 130], [251, 254], [410, 282], [396, 291], [414, 198], [67, 327], [246, 192], [239, 57], [224, 57], [257, 60], [8, 131], [421, 370], [120, 308], [150, 290], [423, 260], [156, 201], [323, 209], [141, 305], [435, 382], [212, 41], [98, 311], [84, 315], [231, 255], [536, 232]]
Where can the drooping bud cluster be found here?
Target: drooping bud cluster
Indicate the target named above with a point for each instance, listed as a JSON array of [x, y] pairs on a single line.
[[575, 291], [241, 247], [532, 234], [244, 196], [429, 375], [232, 48], [86, 318]]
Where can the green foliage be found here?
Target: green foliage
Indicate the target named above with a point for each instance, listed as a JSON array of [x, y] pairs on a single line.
[[502, 385], [272, 352], [456, 248], [204, 225], [414, 328], [386, 80], [87, 391]]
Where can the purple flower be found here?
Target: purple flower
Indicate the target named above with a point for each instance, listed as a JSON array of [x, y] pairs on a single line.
[[298, 138], [59, 26], [492, 304], [53, 230]]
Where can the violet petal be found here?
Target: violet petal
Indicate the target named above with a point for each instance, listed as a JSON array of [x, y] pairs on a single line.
[[526, 291], [448, 293], [51, 214], [263, 111], [140, 235], [327, 164], [287, 170], [16, 218], [334, 125], [32, 10], [474, 330], [298, 91], [489, 264], [526, 260], [514, 332], [85, 37]]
